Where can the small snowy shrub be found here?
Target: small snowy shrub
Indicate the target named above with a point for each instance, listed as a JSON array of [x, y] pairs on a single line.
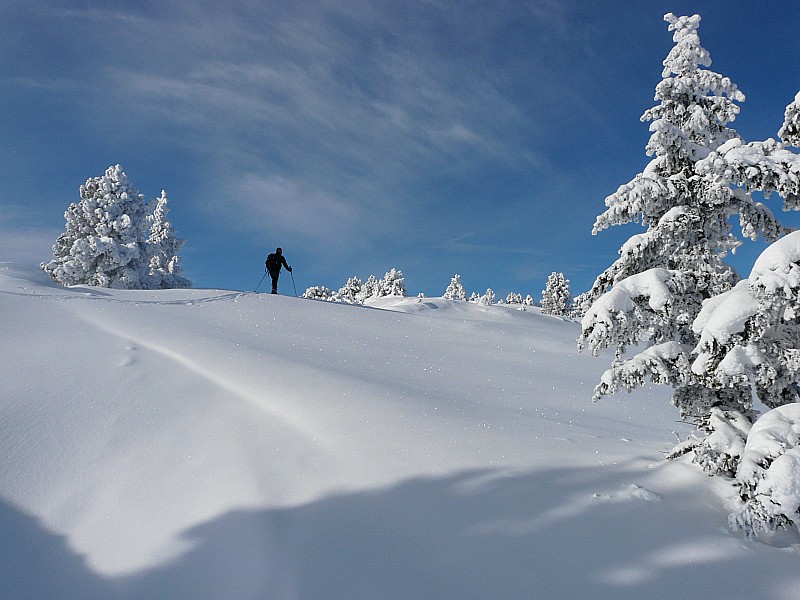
[[318, 292]]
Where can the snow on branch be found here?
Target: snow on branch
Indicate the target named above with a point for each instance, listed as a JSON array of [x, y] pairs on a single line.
[[769, 473]]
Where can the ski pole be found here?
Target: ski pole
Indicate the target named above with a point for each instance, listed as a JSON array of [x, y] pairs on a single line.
[[262, 281], [295, 289]]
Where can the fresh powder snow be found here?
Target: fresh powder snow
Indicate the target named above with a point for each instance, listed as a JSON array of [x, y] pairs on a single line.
[[196, 443]]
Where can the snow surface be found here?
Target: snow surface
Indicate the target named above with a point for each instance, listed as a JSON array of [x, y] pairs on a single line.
[[217, 444]]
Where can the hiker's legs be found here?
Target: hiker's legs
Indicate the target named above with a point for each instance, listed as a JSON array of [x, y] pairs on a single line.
[[274, 282]]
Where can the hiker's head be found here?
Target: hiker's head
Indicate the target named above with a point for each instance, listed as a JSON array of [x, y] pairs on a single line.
[[279, 250]]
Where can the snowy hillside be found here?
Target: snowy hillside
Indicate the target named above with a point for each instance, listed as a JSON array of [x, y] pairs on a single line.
[[214, 444]]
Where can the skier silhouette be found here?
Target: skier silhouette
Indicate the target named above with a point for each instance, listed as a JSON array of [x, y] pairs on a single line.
[[273, 264]]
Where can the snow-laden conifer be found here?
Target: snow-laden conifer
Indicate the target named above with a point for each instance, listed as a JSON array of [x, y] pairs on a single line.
[[369, 289], [317, 292], [455, 291], [488, 298], [105, 242], [392, 284], [653, 292], [350, 292], [790, 131], [750, 336], [163, 246], [769, 474], [514, 298], [556, 297]]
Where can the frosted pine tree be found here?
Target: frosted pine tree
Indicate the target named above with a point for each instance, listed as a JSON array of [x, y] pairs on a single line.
[[488, 298], [768, 475], [392, 284], [317, 292], [455, 291], [163, 247], [653, 292], [105, 242], [350, 292], [751, 334], [514, 298], [790, 132], [368, 290], [556, 297]]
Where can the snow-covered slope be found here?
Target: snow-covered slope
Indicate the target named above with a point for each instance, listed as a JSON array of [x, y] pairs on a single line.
[[214, 444]]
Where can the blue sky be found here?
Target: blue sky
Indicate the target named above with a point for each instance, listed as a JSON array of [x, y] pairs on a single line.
[[438, 137]]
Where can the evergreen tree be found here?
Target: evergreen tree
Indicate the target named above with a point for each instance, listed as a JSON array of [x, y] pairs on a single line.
[[163, 247], [790, 132], [455, 291], [368, 290], [750, 335], [317, 292], [768, 475], [392, 284], [513, 298], [488, 298], [653, 292], [105, 242], [351, 291], [556, 297]]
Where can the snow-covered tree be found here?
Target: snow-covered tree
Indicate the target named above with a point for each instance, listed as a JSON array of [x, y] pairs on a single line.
[[556, 296], [529, 301], [488, 298], [654, 291], [514, 298], [769, 473], [317, 292], [163, 247], [105, 242], [790, 132], [750, 335], [392, 284], [580, 304], [455, 291], [351, 291], [474, 297], [369, 289]]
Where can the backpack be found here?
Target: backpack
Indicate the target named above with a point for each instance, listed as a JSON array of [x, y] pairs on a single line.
[[273, 263]]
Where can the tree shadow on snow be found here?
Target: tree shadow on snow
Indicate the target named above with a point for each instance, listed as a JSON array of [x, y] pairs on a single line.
[[473, 535]]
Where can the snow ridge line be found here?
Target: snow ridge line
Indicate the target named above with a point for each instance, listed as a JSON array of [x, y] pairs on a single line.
[[236, 388]]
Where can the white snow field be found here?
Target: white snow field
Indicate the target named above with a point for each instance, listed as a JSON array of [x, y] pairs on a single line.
[[217, 444]]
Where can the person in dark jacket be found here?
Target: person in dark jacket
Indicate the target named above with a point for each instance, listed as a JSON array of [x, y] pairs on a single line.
[[273, 264]]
